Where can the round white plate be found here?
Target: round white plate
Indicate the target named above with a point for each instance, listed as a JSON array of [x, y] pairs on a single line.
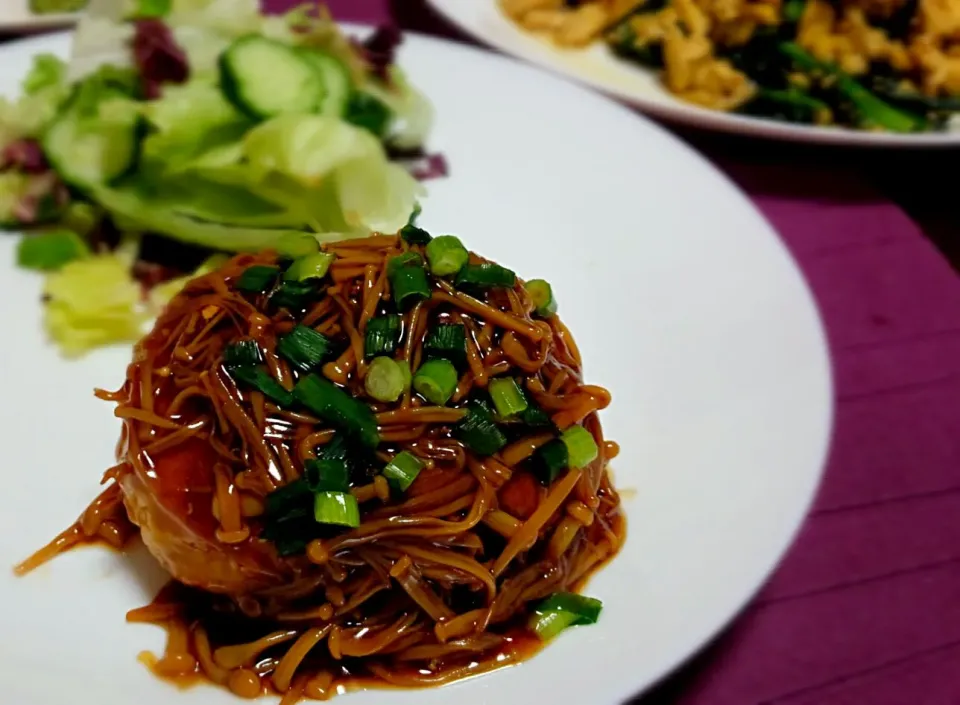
[[596, 66], [15, 16], [683, 300]]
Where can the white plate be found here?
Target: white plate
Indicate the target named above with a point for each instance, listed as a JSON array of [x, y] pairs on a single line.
[[596, 66], [15, 16], [684, 302]]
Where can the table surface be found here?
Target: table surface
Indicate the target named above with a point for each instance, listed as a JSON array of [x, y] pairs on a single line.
[[865, 607]]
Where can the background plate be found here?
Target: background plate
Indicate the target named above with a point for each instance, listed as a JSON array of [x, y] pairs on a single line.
[[598, 67], [684, 303]]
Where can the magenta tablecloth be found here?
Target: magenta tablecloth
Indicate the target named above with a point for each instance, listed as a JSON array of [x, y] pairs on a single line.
[[865, 608]]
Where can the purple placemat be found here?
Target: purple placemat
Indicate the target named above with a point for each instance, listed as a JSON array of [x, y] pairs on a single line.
[[865, 608]]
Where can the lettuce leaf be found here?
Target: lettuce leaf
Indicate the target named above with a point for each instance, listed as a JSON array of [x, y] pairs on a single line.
[[413, 113]]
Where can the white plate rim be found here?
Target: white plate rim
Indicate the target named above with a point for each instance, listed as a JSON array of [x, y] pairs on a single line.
[[470, 16], [800, 509]]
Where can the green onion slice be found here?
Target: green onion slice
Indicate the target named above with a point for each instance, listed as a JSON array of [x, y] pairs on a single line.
[[407, 374], [550, 460], [402, 470], [436, 381], [408, 280], [338, 408], [285, 498], [243, 353], [304, 347], [562, 610], [382, 336], [534, 415], [478, 431], [581, 446], [327, 475], [313, 266], [257, 279], [508, 398], [294, 295], [542, 294], [51, 250], [448, 341], [385, 379], [485, 276], [446, 255], [339, 508], [260, 379], [414, 235]]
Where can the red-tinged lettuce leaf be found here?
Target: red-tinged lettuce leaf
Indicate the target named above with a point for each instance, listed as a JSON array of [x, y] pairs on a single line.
[[158, 57]]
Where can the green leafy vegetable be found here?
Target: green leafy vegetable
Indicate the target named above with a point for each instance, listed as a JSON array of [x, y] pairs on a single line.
[[50, 250]]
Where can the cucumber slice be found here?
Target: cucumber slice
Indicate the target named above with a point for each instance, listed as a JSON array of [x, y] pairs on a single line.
[[86, 151], [336, 81], [265, 78]]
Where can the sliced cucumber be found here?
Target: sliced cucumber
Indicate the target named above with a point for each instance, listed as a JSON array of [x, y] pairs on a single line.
[[86, 151], [265, 78], [336, 81]]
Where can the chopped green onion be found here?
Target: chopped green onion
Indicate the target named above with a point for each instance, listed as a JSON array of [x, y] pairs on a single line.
[[448, 341], [294, 295], [436, 381], [336, 449], [243, 353], [581, 446], [257, 279], [508, 398], [414, 235], [285, 498], [407, 374], [542, 294], [289, 545], [402, 470], [562, 610], [550, 460], [339, 449], [446, 255], [478, 431], [384, 380], [52, 250], [408, 280], [587, 609], [313, 266], [407, 259], [260, 379], [327, 475], [485, 276], [547, 625], [339, 508], [382, 336], [338, 408], [534, 416], [304, 347]]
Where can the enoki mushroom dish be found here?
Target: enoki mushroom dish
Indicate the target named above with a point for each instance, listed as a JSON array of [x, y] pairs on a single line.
[[375, 465]]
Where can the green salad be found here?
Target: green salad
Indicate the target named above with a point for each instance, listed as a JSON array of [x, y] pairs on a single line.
[[194, 127]]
